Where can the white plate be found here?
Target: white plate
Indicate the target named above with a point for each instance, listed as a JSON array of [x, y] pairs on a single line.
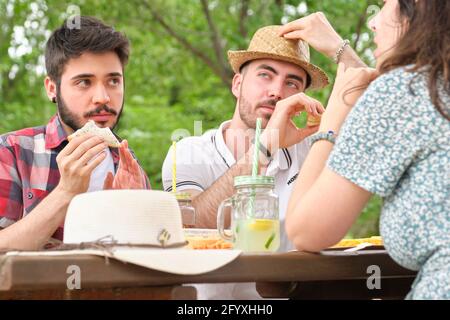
[[206, 233]]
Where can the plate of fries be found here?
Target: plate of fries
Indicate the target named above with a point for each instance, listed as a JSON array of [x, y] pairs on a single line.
[[372, 243], [201, 239]]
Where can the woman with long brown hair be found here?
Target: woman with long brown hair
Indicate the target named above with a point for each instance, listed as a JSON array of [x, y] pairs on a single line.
[[391, 137]]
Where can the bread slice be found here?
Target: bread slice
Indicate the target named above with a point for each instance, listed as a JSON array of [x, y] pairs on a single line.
[[104, 133]]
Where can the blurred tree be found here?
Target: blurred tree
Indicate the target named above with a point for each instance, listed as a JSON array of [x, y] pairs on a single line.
[[178, 71]]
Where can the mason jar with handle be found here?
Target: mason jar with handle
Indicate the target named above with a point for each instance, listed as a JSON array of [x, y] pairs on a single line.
[[187, 210], [255, 225]]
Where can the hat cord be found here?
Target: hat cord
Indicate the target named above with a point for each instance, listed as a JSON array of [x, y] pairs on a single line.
[[107, 244]]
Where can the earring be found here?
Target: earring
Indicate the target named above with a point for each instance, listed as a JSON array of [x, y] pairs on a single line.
[[54, 99]]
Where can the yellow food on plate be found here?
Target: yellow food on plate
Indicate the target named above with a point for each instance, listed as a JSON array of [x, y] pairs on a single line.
[[200, 243], [205, 239], [376, 241]]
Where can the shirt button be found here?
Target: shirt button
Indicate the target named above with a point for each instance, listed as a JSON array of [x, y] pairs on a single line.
[[30, 195]]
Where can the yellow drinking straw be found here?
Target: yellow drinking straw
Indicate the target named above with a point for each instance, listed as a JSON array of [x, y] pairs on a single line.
[[174, 167]]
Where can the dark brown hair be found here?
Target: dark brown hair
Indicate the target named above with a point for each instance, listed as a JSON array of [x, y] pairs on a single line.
[[425, 44], [71, 41]]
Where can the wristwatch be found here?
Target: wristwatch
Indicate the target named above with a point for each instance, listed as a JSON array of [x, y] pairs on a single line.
[[329, 136]]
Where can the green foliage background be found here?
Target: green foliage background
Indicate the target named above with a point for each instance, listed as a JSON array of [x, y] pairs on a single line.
[[177, 72]]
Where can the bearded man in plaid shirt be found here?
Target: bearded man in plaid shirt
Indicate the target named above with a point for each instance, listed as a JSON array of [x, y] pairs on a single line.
[[40, 171]]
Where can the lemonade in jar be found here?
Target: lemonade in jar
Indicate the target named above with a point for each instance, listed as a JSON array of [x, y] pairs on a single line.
[[255, 224]]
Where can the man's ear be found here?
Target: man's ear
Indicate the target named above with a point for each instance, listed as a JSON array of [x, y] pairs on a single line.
[[50, 88], [236, 85]]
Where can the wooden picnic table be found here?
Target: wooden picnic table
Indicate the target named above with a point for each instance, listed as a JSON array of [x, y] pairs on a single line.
[[295, 275]]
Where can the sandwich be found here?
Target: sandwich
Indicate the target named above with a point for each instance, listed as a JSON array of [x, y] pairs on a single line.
[[104, 133]]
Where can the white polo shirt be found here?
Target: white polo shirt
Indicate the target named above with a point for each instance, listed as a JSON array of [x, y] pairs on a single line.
[[204, 159]]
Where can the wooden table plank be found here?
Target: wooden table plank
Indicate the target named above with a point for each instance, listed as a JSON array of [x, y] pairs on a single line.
[[140, 293], [31, 273]]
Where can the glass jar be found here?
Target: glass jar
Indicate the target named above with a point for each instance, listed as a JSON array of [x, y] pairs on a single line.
[[186, 208], [255, 225]]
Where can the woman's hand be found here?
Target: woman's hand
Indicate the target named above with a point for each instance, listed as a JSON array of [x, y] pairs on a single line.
[[316, 30], [349, 86]]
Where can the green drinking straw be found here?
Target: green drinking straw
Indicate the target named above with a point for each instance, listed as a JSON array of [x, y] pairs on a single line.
[[256, 151], [255, 166]]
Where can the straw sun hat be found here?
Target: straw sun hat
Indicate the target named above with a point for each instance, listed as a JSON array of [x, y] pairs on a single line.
[[141, 227], [267, 44]]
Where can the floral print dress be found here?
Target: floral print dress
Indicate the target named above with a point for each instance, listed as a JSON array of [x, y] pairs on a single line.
[[396, 144]]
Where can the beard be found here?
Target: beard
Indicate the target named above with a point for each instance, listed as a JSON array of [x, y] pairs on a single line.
[[76, 122], [248, 113]]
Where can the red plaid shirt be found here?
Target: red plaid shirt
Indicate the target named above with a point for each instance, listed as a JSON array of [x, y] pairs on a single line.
[[29, 172]]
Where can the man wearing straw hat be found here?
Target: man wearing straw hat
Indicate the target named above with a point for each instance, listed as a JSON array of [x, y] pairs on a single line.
[[270, 76], [271, 70], [40, 170]]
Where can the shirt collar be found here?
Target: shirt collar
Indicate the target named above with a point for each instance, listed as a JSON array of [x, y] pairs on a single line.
[[282, 160], [220, 145], [55, 135]]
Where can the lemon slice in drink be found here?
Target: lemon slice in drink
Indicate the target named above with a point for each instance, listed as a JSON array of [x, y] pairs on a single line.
[[261, 224]]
